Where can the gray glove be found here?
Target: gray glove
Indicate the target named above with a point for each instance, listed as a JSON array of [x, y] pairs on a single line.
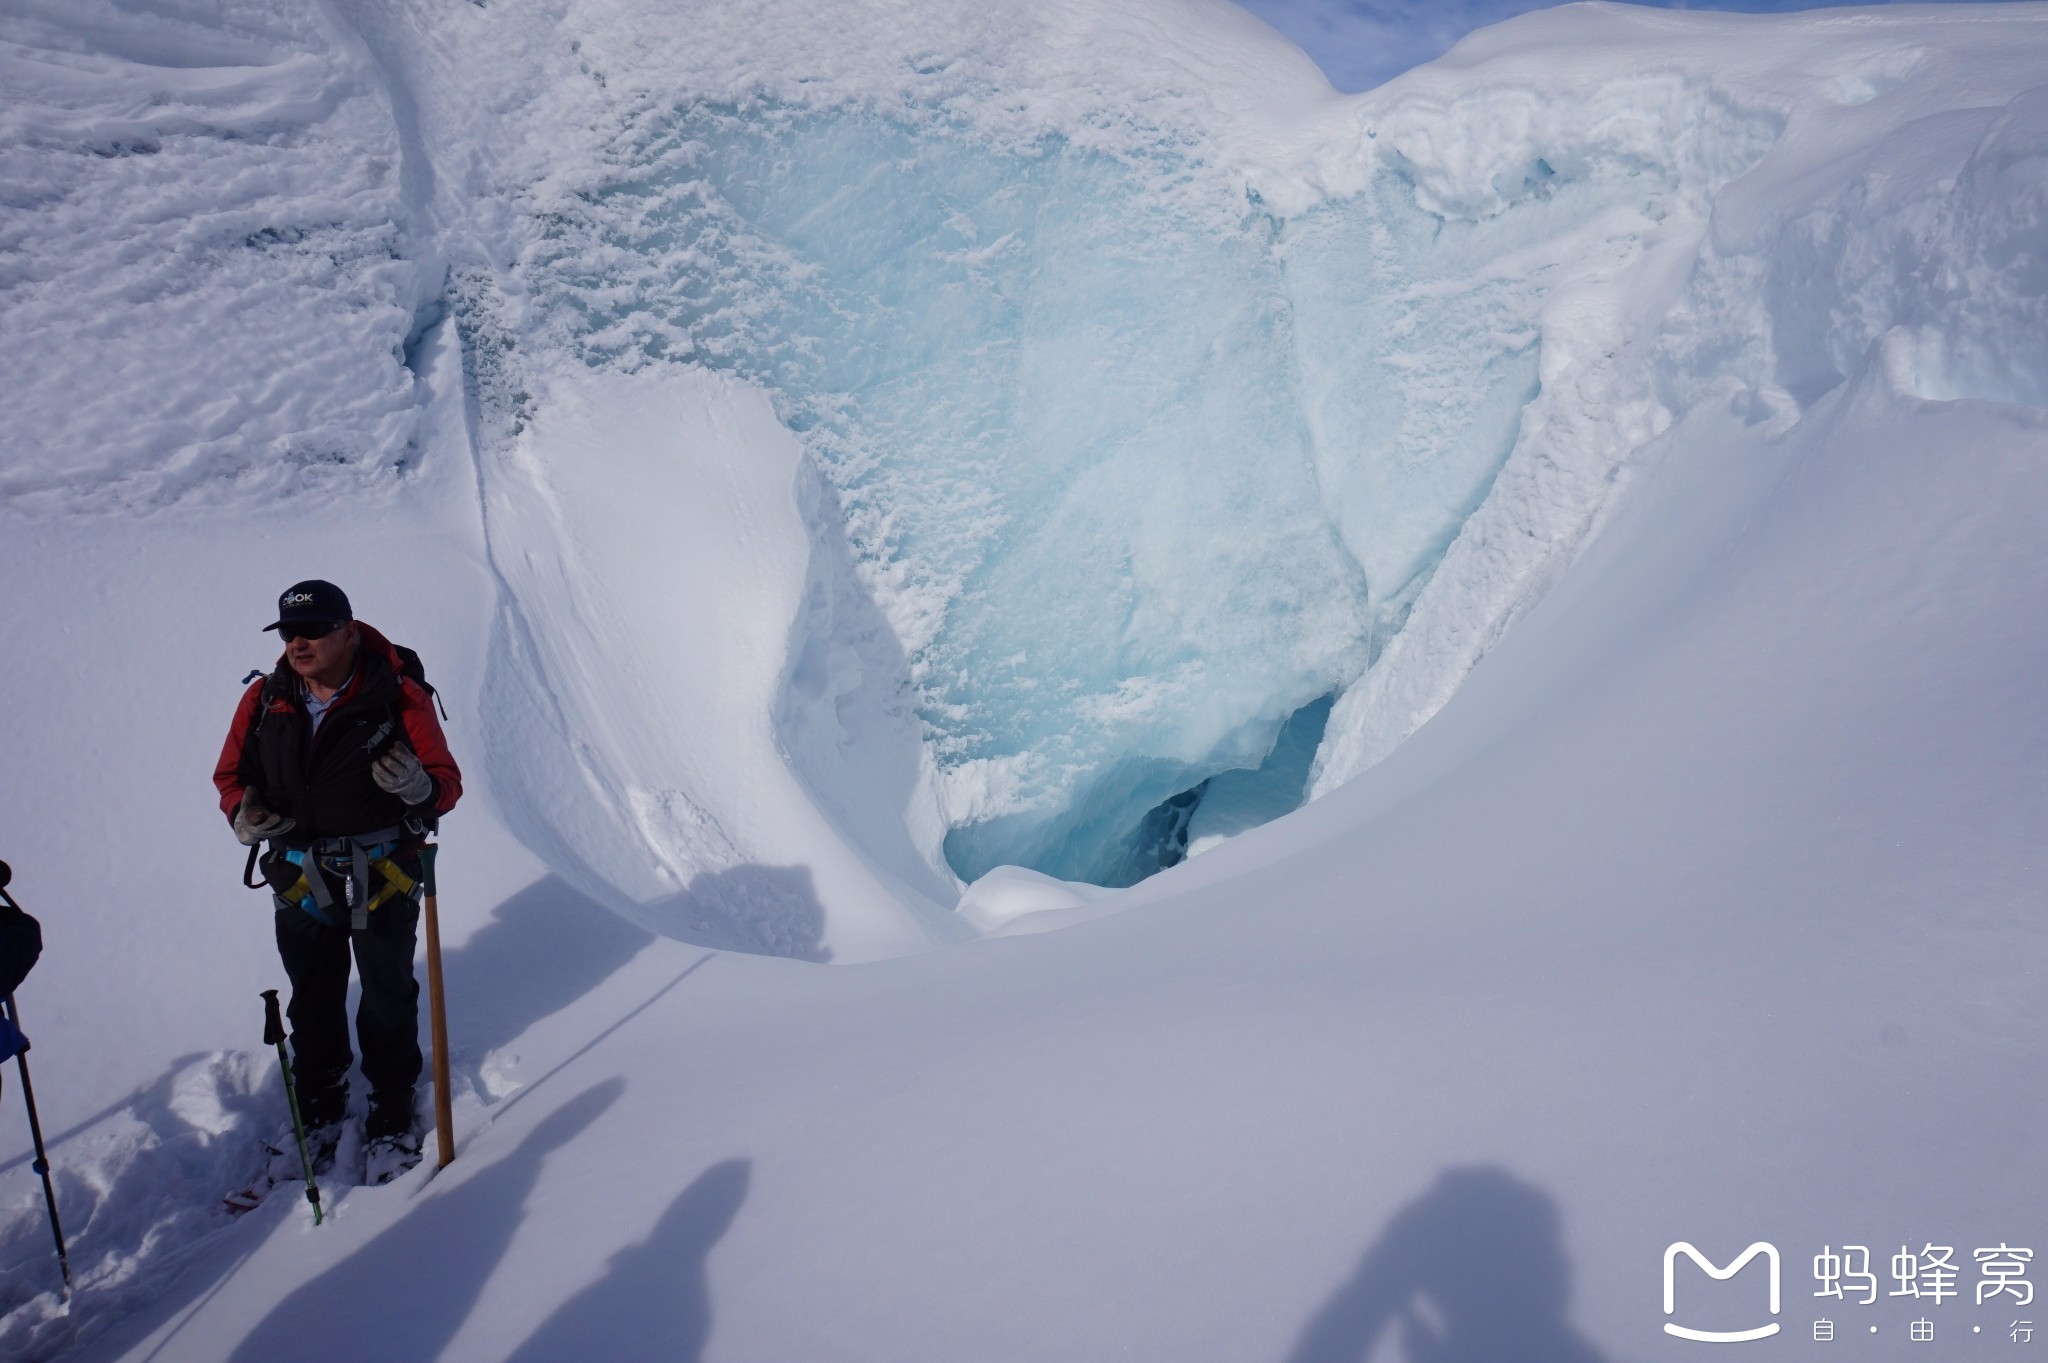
[[254, 823], [398, 772]]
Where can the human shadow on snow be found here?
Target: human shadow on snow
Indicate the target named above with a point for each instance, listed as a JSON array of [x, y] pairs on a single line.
[[1473, 1271], [543, 949], [407, 1292], [654, 1302], [765, 910]]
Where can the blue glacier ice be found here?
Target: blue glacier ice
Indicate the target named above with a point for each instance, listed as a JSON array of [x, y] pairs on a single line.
[[1133, 488]]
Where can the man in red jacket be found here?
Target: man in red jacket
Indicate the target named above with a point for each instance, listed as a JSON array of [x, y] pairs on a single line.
[[337, 761]]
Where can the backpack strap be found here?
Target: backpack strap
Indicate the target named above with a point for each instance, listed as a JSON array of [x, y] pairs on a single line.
[[412, 669], [263, 700]]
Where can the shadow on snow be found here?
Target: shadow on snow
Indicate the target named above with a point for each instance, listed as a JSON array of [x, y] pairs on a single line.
[[406, 1292], [654, 1302], [1473, 1271], [194, 1129]]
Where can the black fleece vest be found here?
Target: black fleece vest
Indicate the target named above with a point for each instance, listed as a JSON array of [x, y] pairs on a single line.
[[326, 784]]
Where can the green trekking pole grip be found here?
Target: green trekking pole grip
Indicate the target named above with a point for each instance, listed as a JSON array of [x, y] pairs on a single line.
[[273, 1035]]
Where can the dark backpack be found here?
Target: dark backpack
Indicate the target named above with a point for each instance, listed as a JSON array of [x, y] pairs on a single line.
[[410, 667], [21, 942]]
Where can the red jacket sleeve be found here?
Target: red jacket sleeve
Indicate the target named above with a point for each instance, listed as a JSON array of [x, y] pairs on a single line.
[[423, 732], [227, 773]]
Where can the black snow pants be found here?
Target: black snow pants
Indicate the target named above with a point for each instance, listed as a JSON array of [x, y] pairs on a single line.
[[316, 959]]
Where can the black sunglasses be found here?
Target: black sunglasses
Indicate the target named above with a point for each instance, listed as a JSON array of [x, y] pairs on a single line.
[[311, 629]]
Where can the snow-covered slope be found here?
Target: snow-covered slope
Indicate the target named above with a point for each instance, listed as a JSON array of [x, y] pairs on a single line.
[[818, 455]]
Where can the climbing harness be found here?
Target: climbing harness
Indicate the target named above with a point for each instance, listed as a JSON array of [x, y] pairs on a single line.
[[350, 860]]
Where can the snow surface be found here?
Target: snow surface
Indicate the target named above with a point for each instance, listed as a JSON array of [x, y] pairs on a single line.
[[822, 453], [1363, 43]]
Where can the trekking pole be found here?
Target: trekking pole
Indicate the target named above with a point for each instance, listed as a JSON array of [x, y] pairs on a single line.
[[437, 1013], [35, 1123], [273, 1035], [42, 1164]]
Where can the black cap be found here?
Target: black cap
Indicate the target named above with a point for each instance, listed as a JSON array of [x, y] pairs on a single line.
[[311, 602]]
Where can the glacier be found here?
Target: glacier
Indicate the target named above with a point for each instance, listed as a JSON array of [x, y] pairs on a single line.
[[1593, 482], [1111, 400], [1133, 464]]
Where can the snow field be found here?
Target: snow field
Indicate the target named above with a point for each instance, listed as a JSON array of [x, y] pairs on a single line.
[[1654, 993]]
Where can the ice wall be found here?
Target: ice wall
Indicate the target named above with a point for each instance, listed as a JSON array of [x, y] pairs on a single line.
[[1155, 393], [1132, 485], [1060, 423]]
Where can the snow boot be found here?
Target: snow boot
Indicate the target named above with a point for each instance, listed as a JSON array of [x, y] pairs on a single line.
[[282, 1164], [390, 1156], [393, 1142]]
